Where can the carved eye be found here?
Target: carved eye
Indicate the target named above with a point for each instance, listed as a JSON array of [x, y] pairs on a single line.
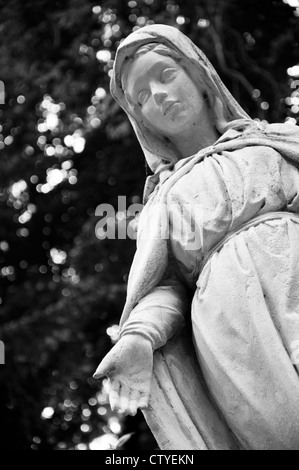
[[142, 97], [167, 75]]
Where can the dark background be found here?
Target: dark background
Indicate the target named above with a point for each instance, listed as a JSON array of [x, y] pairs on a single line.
[[65, 148]]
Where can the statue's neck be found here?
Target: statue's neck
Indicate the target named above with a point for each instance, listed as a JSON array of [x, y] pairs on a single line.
[[201, 135]]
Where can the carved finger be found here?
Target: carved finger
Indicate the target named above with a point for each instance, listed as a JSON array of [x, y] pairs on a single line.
[[114, 394], [144, 399], [133, 403], [103, 369], [124, 398]]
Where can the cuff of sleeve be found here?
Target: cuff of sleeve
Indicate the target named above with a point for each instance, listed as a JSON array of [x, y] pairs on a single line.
[[155, 323], [137, 331]]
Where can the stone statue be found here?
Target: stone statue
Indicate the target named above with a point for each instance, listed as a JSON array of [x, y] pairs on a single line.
[[211, 322]]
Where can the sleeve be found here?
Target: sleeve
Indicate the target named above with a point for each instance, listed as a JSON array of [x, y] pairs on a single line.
[[161, 313]]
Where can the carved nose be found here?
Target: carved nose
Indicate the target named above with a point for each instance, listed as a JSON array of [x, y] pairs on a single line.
[[159, 96]]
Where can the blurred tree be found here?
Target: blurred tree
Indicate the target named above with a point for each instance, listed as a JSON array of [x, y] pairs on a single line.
[[65, 148]]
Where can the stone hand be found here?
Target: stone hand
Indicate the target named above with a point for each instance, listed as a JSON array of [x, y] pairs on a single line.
[[129, 367]]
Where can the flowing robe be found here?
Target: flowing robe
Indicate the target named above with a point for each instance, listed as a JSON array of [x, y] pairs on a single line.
[[244, 306], [236, 384]]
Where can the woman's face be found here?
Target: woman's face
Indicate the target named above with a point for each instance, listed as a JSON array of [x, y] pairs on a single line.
[[169, 100]]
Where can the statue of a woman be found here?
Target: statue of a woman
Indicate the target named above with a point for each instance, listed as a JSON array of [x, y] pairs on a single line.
[[217, 259]]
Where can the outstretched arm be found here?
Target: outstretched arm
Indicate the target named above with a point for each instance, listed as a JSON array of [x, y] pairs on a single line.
[[129, 364]]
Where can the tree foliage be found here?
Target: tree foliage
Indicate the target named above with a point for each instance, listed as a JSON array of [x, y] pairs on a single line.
[[65, 148]]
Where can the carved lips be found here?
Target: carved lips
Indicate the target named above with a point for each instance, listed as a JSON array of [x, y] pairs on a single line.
[[167, 105]]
